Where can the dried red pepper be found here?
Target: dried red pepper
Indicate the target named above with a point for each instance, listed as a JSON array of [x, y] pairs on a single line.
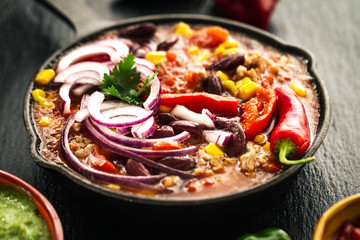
[[291, 136], [258, 111]]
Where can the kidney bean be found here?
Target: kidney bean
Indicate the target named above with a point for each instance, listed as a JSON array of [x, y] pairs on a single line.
[[166, 118], [141, 31], [179, 162], [228, 63], [224, 122], [167, 44], [237, 144], [185, 125], [163, 132], [212, 84], [135, 168]]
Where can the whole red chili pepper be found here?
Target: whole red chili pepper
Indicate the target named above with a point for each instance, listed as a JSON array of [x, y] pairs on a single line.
[[291, 136], [258, 111]]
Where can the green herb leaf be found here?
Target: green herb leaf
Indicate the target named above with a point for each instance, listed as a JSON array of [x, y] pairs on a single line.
[[124, 82]]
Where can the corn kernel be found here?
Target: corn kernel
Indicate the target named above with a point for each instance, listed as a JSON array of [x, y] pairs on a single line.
[[45, 76], [230, 51], [298, 89], [248, 91], [243, 82], [45, 121], [260, 138], [230, 86], [219, 51], [229, 44], [223, 76], [114, 186], [37, 94], [170, 181], [164, 109], [183, 29], [214, 150], [156, 57], [203, 55], [266, 148], [194, 50]]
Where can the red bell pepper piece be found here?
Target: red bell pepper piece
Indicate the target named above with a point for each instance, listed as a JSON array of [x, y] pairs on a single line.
[[167, 145], [199, 100], [355, 235], [258, 111], [291, 136], [254, 12], [100, 162]]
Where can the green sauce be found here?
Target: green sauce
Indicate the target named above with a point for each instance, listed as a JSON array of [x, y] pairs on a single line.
[[18, 216]]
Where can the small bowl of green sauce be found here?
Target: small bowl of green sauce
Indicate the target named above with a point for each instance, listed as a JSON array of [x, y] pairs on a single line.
[[25, 213]]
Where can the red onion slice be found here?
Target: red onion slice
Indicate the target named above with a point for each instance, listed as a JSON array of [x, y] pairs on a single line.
[[83, 52], [134, 142], [221, 138], [139, 155], [145, 129], [94, 105], [139, 182], [182, 112], [99, 68], [120, 47], [146, 63]]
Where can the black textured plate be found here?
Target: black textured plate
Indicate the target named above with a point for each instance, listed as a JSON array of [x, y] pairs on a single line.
[[244, 198]]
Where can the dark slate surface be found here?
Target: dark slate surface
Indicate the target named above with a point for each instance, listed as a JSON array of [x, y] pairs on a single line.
[[30, 33]]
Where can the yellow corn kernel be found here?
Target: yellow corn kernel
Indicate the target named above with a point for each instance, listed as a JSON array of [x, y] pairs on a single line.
[[183, 29], [298, 89], [260, 138], [243, 82], [230, 86], [266, 148], [45, 121], [231, 43], [223, 76], [194, 50], [203, 55], [170, 181], [214, 150], [37, 94], [248, 91], [45, 76], [219, 51], [114, 186], [156, 57], [230, 51], [164, 109]]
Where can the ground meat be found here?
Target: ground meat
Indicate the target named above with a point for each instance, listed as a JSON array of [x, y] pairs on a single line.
[[253, 158]]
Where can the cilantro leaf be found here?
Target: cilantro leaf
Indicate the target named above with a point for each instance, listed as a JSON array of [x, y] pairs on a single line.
[[124, 82]]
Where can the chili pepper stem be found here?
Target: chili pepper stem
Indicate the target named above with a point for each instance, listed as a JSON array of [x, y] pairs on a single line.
[[287, 148]]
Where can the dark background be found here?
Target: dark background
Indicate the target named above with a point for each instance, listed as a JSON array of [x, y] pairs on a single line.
[[30, 32]]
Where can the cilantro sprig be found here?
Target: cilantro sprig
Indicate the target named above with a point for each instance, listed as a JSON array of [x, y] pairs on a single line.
[[124, 82]]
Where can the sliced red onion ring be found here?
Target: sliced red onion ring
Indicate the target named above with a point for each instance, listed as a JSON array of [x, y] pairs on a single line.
[[82, 53], [182, 112], [94, 105], [134, 142], [139, 182], [123, 131], [144, 62], [138, 154], [221, 138], [99, 68], [145, 129], [121, 48]]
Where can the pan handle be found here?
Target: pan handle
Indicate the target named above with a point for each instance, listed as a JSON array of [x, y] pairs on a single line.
[[80, 16]]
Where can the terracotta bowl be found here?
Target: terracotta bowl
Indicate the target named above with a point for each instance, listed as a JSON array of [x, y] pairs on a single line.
[[335, 216], [45, 209]]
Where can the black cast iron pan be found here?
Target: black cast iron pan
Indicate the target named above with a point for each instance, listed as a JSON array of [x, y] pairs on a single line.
[[89, 26]]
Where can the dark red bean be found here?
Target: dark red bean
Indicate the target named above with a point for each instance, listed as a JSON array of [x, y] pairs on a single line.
[[179, 162], [185, 125], [142, 31], [212, 84], [166, 118], [167, 44], [135, 168], [229, 63], [163, 132]]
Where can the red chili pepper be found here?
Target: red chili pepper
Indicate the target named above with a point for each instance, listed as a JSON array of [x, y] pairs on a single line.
[[258, 111], [255, 12], [199, 100], [291, 136]]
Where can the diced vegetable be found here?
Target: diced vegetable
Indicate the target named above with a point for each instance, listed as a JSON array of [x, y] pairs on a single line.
[[183, 29], [200, 100], [230, 86], [248, 90], [223, 76], [298, 89], [186, 114], [45, 76], [214, 150], [37, 94], [167, 145], [45, 121], [260, 138], [156, 57]]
